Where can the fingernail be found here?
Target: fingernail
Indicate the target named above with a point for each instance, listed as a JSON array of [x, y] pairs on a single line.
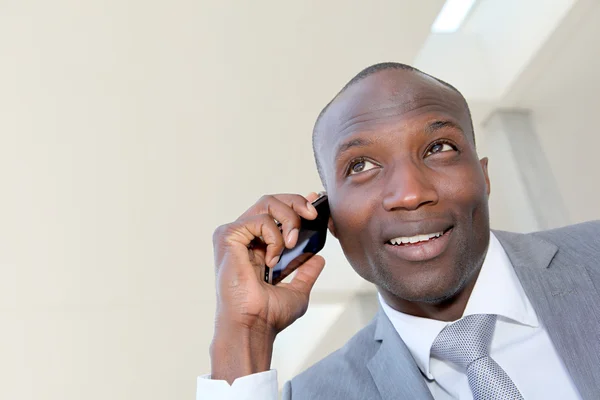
[[311, 208], [292, 237]]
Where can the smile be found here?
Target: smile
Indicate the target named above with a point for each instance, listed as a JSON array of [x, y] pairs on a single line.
[[421, 247], [415, 239]]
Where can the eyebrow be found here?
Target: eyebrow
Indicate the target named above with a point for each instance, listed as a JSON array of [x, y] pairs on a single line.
[[346, 146], [361, 142], [439, 124]]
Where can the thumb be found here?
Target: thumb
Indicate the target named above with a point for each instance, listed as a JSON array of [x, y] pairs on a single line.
[[307, 274]]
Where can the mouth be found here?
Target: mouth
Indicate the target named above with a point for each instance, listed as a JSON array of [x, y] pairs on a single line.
[[417, 239], [421, 247]]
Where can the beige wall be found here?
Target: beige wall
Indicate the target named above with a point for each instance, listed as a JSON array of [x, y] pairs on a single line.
[[559, 88], [100, 272], [565, 101]]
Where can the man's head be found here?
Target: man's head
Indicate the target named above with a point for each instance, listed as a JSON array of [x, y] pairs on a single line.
[[396, 153], [365, 73]]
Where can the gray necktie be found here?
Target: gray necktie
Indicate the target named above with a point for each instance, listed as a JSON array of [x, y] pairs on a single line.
[[466, 343]]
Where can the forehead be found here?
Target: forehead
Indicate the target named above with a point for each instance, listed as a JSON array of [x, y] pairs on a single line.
[[394, 96]]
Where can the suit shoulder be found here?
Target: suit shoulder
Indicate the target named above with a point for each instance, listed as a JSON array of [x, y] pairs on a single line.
[[348, 363], [586, 234], [359, 348], [580, 242]]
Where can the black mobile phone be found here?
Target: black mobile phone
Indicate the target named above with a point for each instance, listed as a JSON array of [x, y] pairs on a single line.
[[311, 239]]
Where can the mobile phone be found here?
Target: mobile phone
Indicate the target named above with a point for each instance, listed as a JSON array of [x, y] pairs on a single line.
[[311, 239]]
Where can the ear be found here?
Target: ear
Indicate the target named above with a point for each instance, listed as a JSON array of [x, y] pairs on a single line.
[[331, 227], [484, 167]]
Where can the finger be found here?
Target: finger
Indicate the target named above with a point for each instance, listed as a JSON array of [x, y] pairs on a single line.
[[288, 218], [296, 202], [258, 252], [307, 274], [286, 209], [312, 196], [246, 230]]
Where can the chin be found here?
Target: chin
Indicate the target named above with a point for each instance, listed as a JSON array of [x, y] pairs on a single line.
[[425, 295], [433, 289]]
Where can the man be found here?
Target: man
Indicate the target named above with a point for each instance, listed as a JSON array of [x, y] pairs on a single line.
[[465, 312]]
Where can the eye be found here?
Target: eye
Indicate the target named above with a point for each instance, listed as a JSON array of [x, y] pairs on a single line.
[[439, 147], [360, 165]]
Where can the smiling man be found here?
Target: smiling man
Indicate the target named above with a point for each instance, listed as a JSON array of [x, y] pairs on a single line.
[[465, 312]]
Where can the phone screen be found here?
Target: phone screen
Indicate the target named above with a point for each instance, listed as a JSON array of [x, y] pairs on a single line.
[[311, 239]]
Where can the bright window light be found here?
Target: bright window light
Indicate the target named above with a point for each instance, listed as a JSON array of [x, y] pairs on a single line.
[[452, 15]]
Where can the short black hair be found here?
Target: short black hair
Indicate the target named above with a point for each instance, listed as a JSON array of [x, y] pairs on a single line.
[[370, 71]]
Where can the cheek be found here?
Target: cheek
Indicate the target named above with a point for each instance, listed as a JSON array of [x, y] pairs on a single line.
[[464, 186], [352, 214], [353, 234], [464, 194], [348, 219]]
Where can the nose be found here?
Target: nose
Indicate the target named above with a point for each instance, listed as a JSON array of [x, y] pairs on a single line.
[[408, 188]]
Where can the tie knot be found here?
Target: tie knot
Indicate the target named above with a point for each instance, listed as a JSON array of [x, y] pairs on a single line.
[[465, 340]]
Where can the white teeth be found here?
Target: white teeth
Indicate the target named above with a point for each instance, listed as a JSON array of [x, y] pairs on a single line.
[[416, 238]]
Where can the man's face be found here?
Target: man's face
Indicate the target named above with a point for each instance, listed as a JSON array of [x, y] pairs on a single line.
[[400, 165]]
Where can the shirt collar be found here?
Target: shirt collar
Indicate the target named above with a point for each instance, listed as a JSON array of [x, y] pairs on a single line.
[[497, 291]]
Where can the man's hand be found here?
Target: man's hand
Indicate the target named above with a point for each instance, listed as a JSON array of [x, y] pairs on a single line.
[[250, 312]]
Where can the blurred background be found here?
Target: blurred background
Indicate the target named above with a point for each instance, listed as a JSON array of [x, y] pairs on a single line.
[[130, 129]]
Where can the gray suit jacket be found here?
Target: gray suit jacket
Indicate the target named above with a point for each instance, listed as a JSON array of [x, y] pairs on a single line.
[[560, 272]]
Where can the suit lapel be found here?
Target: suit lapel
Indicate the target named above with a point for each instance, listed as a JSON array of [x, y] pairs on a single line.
[[566, 301], [393, 369]]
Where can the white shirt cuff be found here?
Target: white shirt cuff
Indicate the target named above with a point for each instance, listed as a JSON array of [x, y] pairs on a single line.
[[262, 385]]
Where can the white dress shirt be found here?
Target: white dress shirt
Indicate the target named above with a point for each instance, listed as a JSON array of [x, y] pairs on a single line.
[[262, 385], [518, 336]]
